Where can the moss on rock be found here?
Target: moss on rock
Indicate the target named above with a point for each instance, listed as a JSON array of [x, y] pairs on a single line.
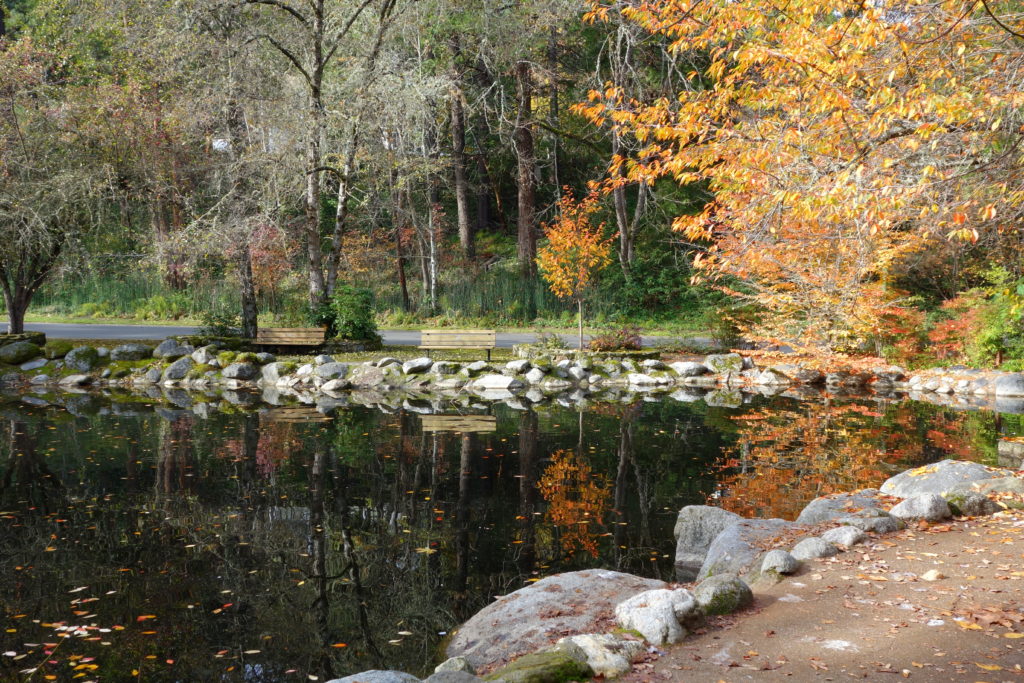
[[546, 666]]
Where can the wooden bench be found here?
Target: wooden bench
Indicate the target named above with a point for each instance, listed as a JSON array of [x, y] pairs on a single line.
[[459, 339], [291, 336]]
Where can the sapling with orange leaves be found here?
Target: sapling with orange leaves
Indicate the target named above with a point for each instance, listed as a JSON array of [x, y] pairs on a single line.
[[575, 252]]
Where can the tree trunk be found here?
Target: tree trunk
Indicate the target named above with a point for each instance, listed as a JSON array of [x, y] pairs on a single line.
[[402, 281], [526, 171], [580, 305], [459, 166], [249, 307], [314, 250], [17, 305]]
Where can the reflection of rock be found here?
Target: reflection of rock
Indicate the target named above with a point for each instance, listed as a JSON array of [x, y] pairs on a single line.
[[529, 618], [377, 676], [724, 399]]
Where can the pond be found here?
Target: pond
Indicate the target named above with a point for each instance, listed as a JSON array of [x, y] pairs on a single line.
[[141, 540]]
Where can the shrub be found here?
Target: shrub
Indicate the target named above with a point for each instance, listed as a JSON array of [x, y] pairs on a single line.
[[353, 313], [219, 323], [623, 339]]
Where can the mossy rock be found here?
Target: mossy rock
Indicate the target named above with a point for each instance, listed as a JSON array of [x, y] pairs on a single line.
[[37, 338], [198, 371], [245, 357], [18, 353], [546, 666], [57, 348], [226, 358]]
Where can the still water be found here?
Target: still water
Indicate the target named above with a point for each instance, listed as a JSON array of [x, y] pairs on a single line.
[[141, 541]]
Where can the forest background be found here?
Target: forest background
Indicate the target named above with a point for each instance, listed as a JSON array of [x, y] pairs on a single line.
[[847, 177]]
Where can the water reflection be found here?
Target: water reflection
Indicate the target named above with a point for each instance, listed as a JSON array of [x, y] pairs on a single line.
[[166, 543]]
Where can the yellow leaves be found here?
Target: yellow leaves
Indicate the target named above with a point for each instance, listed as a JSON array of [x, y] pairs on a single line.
[[575, 250], [967, 625], [988, 667]]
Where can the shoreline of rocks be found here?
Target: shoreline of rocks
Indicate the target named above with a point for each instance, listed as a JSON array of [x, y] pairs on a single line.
[[726, 380]]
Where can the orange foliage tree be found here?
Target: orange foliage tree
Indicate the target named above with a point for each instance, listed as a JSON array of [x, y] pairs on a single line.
[[838, 140], [575, 251]]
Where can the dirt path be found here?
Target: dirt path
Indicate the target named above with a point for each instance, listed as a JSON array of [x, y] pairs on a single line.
[[868, 614]]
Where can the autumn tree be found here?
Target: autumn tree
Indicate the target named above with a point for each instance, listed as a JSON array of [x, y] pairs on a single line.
[[575, 251], [49, 183], [837, 141]]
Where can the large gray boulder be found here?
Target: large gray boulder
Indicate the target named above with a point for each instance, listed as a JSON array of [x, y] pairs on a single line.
[[813, 548], [366, 376], [172, 348], [940, 477], [658, 615], [205, 355], [838, 505], [721, 363], [845, 535], [1010, 384], [377, 676], [696, 527], [332, 370], [723, 594], [931, 507], [607, 654], [82, 358], [417, 366], [131, 352], [736, 550], [689, 369], [18, 352], [273, 372], [33, 365], [241, 371], [178, 369], [532, 617]]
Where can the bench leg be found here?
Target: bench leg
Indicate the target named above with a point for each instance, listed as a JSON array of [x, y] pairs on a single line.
[[488, 355]]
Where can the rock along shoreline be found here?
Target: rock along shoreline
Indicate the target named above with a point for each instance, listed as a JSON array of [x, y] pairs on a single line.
[[718, 379]]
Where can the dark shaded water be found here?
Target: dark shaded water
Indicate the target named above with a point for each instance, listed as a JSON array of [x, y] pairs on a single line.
[[143, 541]]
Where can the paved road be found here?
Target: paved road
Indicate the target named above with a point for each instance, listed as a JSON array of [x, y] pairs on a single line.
[[391, 337]]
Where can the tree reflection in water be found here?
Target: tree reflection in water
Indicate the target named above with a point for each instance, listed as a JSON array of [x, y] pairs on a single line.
[[241, 547]]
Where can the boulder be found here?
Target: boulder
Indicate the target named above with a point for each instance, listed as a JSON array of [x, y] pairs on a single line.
[[696, 527], [1010, 384], [721, 363], [827, 508], [736, 549], [205, 355], [637, 379], [971, 504], [845, 535], [33, 365], [130, 352], [366, 376], [931, 507], [531, 617], [82, 358], [875, 521], [653, 364], [945, 475], [443, 367], [535, 376], [263, 358], [322, 359], [477, 367], [813, 548], [455, 664], [546, 666], [1000, 485], [241, 371], [689, 369], [178, 369], [377, 676], [417, 366], [335, 385], [332, 370], [606, 654], [452, 677], [658, 615], [386, 361], [18, 352], [76, 380], [723, 594], [271, 373], [172, 348], [518, 367], [779, 562]]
